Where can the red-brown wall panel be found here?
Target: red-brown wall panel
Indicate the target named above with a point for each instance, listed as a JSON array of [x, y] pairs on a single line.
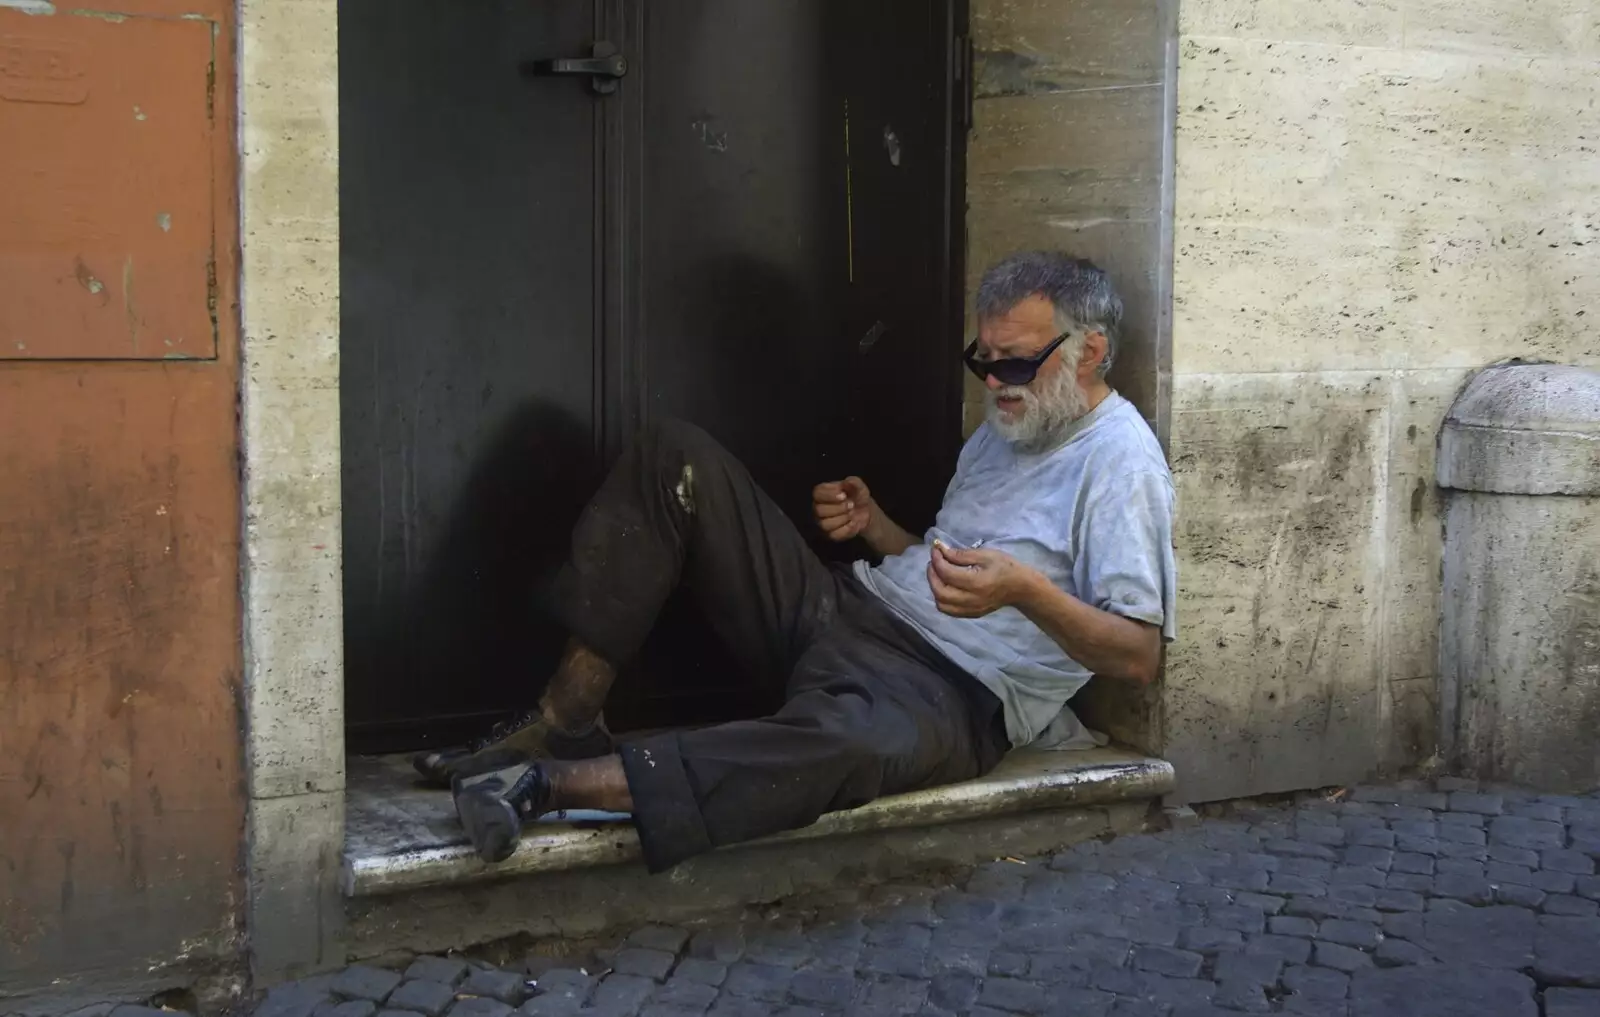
[[122, 803]]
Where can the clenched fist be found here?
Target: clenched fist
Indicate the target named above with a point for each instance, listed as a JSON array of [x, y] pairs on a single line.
[[844, 508]]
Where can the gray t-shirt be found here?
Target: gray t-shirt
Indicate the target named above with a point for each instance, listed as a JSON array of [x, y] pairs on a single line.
[[1094, 515]]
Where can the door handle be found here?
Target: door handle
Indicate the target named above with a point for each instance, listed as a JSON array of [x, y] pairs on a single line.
[[604, 67]]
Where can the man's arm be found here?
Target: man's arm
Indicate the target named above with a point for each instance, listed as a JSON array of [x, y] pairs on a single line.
[[1105, 643], [971, 584], [846, 509]]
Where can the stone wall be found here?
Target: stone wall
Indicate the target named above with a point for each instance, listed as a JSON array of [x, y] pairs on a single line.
[[293, 631], [1373, 198]]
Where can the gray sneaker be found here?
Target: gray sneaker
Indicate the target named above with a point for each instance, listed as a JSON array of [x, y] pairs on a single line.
[[493, 806]]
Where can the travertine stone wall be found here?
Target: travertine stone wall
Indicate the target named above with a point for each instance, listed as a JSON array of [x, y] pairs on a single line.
[[294, 630], [1373, 198]]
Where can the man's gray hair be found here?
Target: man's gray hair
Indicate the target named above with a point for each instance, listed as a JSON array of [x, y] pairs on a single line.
[[1080, 292]]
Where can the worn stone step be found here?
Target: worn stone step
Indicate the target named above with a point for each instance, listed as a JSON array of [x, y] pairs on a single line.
[[401, 837]]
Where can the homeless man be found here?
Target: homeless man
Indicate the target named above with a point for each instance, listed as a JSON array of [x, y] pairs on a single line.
[[1050, 561]]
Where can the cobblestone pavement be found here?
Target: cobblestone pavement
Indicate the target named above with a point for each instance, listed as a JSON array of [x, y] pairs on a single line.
[[1439, 902]]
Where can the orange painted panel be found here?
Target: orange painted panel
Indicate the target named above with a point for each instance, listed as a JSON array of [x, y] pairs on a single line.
[[107, 231], [120, 785]]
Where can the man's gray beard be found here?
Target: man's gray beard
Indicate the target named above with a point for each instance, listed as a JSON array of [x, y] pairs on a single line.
[[1046, 416]]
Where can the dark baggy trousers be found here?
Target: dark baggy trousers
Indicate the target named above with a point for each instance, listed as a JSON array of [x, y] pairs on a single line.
[[870, 707]]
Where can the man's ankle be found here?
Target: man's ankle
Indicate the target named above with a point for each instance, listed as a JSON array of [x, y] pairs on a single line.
[[563, 725]]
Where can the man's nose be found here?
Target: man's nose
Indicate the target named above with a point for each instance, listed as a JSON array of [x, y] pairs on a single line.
[[994, 383]]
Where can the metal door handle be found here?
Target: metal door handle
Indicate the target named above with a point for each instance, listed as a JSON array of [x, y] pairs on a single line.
[[604, 67]]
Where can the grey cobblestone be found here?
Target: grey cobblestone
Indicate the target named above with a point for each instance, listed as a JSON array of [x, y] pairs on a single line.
[[1292, 949], [828, 989], [1539, 810], [1519, 894], [1398, 900], [1567, 950], [446, 970], [1397, 952], [1411, 881], [659, 937], [1299, 849], [618, 994], [724, 945], [953, 991], [1530, 834], [1231, 998], [1565, 904], [1563, 860], [1441, 992], [1205, 939], [363, 982], [1453, 849], [292, 1000], [1360, 895], [475, 1006], [644, 962], [1471, 889], [1481, 804], [428, 998], [1379, 837], [1316, 983], [1339, 958], [1513, 856], [509, 987], [1168, 961], [1462, 834], [1572, 1003], [1553, 882], [1292, 925], [1347, 933], [1248, 968], [1013, 995], [1415, 844], [1368, 855], [694, 969]]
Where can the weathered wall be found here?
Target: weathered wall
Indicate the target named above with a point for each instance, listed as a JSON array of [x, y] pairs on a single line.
[[121, 797], [1373, 197], [293, 631]]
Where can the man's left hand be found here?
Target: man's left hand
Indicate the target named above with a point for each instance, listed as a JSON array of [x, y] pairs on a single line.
[[971, 584]]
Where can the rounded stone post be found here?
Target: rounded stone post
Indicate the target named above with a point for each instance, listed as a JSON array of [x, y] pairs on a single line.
[[1519, 457]]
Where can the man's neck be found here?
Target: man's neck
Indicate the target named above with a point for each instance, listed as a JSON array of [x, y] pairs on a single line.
[[1097, 393]]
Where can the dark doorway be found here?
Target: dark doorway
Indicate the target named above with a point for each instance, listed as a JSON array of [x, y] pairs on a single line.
[[758, 229]]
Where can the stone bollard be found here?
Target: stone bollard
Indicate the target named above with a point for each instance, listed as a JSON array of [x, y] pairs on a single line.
[[1519, 696]]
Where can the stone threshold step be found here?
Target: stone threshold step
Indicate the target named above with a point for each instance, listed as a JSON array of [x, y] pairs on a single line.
[[400, 837]]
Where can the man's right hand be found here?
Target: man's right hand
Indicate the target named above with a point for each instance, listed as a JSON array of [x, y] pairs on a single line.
[[844, 508]]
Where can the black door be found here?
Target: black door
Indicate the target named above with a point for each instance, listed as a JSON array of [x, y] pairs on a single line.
[[757, 230]]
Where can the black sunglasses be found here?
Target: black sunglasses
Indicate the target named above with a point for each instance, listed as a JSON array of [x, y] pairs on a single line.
[[1011, 370]]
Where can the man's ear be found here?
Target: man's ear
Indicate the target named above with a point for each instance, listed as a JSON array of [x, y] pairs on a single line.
[[1094, 353]]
